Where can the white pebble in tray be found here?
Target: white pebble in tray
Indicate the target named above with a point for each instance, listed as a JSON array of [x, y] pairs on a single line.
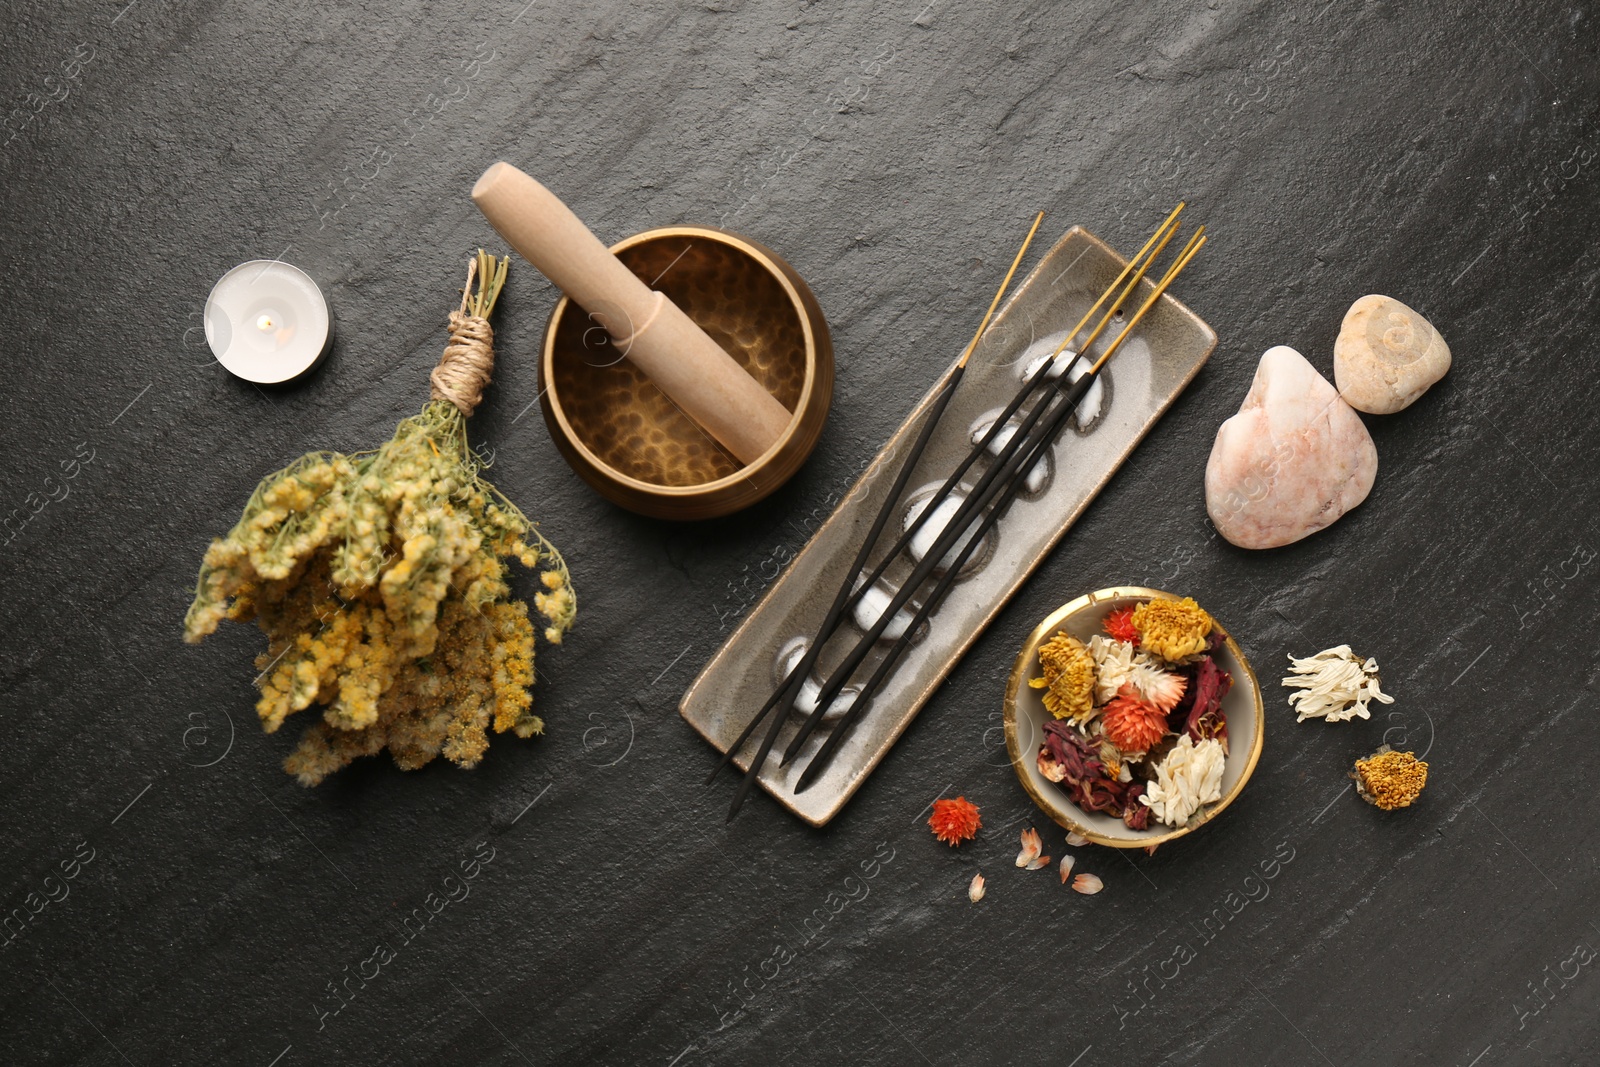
[[1089, 407], [1038, 476], [927, 535], [805, 701], [870, 608]]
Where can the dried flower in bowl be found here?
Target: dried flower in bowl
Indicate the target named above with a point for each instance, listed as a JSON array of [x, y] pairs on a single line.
[[1189, 776], [1118, 663], [1203, 717], [1172, 629], [954, 821], [1390, 779], [1119, 625], [1132, 723], [1068, 681]]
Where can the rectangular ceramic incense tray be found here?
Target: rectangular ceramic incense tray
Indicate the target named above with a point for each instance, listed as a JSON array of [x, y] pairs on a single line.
[[1140, 382]]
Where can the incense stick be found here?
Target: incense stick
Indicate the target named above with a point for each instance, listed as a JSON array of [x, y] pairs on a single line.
[[783, 697], [1041, 441], [991, 483]]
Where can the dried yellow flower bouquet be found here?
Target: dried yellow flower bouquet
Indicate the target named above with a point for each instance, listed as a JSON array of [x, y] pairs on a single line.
[[379, 580]]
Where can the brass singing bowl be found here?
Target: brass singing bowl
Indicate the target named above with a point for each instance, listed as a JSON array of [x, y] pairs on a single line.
[[1024, 713], [627, 439]]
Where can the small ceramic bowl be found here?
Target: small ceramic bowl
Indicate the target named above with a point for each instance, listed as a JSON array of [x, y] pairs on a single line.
[[632, 444], [1025, 716]]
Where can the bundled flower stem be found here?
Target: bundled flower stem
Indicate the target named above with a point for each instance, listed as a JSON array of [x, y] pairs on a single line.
[[379, 580]]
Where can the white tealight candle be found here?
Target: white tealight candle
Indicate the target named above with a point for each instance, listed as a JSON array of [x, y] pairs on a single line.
[[267, 322]]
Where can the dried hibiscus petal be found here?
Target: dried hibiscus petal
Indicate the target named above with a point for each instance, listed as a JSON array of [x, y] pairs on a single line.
[[1205, 718], [1084, 774], [1135, 816]]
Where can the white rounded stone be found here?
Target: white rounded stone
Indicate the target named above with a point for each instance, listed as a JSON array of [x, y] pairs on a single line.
[[1386, 356]]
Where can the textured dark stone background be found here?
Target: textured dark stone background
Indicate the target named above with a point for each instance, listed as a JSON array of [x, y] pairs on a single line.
[[1442, 152]]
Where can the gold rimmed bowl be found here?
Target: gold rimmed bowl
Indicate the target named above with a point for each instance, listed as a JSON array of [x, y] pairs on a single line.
[[1025, 716], [627, 439]]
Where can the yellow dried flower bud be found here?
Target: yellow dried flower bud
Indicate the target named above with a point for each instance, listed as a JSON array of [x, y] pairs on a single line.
[[1172, 629], [1068, 681]]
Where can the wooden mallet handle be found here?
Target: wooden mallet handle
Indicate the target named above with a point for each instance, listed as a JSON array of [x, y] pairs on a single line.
[[652, 331]]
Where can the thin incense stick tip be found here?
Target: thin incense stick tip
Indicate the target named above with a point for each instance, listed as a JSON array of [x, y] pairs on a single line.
[[987, 315]]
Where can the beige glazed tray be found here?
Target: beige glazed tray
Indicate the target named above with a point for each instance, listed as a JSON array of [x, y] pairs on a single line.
[[1139, 384]]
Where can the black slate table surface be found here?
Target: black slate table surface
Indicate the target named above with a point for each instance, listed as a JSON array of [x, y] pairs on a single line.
[[1441, 152]]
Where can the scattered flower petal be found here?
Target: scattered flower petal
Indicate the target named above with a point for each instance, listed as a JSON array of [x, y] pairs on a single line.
[[1031, 847], [1088, 884], [1039, 863], [1066, 868], [954, 821], [975, 890], [1076, 840]]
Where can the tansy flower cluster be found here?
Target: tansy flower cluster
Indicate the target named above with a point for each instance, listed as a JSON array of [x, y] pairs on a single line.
[[380, 582], [1139, 728]]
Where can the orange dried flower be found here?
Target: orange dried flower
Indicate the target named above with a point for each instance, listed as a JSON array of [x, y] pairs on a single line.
[[1132, 723], [955, 821], [1119, 625]]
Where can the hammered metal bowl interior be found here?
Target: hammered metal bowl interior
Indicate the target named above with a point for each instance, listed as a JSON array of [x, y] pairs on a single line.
[[631, 442], [1025, 715]]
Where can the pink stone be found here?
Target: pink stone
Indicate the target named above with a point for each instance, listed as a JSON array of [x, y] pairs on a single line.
[[1294, 459]]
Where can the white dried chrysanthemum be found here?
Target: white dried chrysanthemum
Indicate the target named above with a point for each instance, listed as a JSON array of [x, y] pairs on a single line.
[[1336, 685], [1118, 662], [1190, 775]]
